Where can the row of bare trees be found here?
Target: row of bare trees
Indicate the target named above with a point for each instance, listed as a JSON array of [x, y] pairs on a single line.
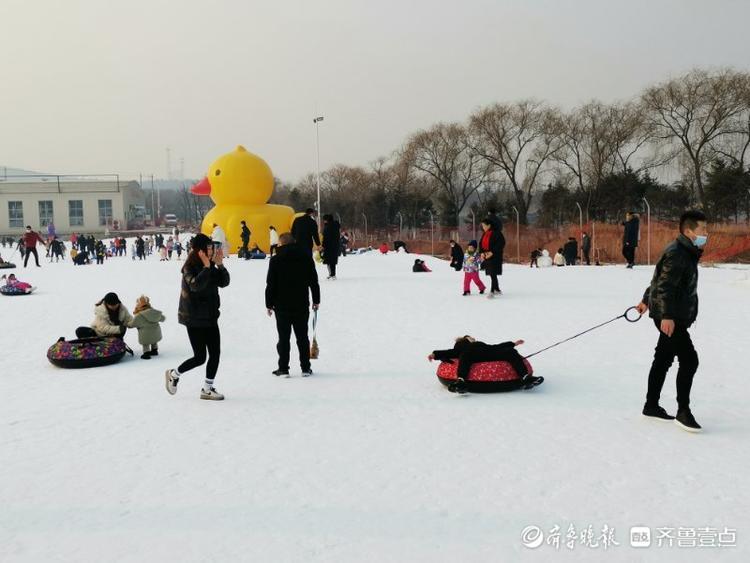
[[512, 151]]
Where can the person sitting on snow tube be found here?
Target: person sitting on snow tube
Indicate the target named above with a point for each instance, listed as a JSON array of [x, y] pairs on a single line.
[[13, 286], [111, 318], [469, 351], [420, 266], [255, 253]]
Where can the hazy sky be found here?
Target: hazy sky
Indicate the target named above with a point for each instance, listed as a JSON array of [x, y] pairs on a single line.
[[100, 86]]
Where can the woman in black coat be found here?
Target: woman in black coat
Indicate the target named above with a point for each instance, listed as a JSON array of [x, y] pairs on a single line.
[[331, 244], [491, 250], [202, 276], [457, 256]]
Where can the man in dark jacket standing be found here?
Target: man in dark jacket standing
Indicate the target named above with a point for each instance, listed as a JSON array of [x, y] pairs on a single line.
[[630, 237], [673, 300], [291, 278], [245, 237], [305, 231], [570, 251], [586, 248]]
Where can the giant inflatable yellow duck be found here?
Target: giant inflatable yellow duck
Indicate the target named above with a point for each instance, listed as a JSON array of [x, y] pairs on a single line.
[[240, 184]]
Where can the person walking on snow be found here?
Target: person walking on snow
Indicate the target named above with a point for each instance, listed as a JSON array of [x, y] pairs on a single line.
[[672, 299], [146, 319], [290, 281], [202, 275], [245, 237], [491, 252], [630, 236], [471, 265], [305, 231], [30, 240]]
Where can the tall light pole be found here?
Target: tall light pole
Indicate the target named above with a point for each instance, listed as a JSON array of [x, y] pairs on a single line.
[[400, 224], [518, 234], [473, 225], [432, 232], [580, 223], [648, 215], [366, 239], [316, 121]]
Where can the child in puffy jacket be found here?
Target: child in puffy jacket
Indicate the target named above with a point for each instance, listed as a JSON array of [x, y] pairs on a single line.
[[472, 263], [146, 319]]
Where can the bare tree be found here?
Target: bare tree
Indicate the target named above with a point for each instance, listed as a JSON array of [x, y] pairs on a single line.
[[517, 140], [695, 111], [445, 153]]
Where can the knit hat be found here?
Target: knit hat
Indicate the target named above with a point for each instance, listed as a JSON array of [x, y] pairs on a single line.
[[473, 243], [200, 242], [111, 299]]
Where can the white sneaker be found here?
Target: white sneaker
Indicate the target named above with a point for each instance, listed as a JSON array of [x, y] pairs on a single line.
[[171, 379], [211, 395]]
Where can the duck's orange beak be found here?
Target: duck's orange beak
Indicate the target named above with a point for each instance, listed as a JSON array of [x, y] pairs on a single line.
[[202, 187]]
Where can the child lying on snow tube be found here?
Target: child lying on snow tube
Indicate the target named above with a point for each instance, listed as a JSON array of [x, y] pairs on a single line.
[[484, 368], [87, 352], [13, 286]]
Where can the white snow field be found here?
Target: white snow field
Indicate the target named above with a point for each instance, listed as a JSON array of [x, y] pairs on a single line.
[[371, 459]]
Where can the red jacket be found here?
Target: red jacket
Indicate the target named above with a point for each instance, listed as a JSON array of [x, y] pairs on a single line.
[[30, 239]]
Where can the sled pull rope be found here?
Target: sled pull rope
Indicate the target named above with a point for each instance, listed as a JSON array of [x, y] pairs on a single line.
[[623, 316]]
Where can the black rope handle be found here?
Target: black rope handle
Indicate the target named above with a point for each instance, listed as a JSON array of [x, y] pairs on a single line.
[[618, 317]]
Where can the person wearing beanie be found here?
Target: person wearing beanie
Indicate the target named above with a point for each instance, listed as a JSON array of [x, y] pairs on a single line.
[[202, 276]]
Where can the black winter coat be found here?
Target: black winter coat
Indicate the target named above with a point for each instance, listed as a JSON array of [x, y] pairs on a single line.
[[476, 352], [673, 293], [630, 234], [305, 232], [457, 257], [331, 242], [494, 265], [586, 243], [291, 277], [245, 235], [570, 250], [199, 296]]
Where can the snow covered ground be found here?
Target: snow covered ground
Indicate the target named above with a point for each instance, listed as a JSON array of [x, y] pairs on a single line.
[[370, 459]]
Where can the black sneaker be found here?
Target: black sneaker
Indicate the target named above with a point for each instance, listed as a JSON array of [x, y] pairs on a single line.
[[467, 293], [686, 421], [146, 356], [307, 372], [481, 292], [656, 412], [154, 352], [280, 371]]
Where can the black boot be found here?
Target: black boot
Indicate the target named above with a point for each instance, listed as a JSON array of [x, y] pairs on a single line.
[[530, 381], [280, 371], [458, 386]]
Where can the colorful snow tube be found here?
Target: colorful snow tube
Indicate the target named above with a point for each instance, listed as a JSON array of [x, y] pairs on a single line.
[[7, 265], [87, 352], [11, 291], [484, 377]]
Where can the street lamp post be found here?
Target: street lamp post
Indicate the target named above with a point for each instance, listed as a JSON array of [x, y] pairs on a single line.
[[580, 224], [365, 216], [648, 215], [400, 224], [316, 121], [518, 234], [473, 225], [432, 232]]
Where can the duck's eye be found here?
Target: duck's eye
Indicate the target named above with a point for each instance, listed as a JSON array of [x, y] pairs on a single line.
[[217, 173]]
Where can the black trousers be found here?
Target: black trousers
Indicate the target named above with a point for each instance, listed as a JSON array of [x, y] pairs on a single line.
[[678, 345], [332, 270], [494, 283], [285, 323], [587, 256], [29, 252], [203, 339], [629, 253], [496, 353]]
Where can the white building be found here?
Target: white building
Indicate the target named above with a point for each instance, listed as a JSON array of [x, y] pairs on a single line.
[[72, 204]]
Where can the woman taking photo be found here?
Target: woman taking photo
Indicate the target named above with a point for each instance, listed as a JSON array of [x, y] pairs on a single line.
[[491, 248], [202, 276]]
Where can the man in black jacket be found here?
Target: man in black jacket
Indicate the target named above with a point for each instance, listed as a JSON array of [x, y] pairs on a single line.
[[245, 237], [291, 278], [673, 300], [586, 248], [570, 251], [630, 237], [305, 231]]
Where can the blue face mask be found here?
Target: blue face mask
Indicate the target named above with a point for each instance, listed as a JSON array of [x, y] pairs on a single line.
[[700, 240]]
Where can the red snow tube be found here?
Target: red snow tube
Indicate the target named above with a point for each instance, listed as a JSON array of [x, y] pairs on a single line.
[[484, 377]]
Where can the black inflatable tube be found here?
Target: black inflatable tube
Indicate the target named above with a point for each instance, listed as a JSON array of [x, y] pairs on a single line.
[[82, 364]]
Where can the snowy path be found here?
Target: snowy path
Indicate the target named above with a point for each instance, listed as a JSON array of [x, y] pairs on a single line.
[[370, 459]]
